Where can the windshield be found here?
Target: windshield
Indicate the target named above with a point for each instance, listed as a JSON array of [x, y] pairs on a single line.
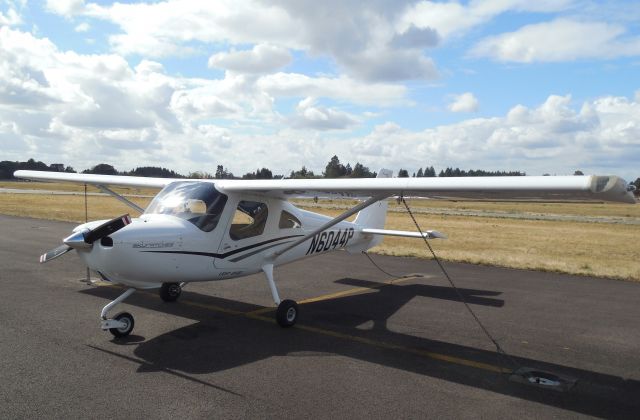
[[198, 202]]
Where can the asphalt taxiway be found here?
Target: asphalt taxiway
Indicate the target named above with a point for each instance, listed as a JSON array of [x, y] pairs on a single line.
[[367, 344]]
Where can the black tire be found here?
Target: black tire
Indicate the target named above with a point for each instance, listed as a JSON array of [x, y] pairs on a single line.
[[127, 318], [287, 313], [169, 292]]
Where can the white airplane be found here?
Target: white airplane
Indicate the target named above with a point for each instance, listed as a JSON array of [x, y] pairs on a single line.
[[207, 230]]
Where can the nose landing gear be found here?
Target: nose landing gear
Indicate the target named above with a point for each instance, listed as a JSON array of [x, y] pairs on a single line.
[[122, 324]]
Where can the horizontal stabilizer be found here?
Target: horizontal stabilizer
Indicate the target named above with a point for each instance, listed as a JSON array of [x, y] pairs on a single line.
[[430, 234]]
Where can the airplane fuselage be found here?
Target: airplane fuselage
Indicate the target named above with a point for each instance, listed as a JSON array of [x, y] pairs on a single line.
[[164, 248]]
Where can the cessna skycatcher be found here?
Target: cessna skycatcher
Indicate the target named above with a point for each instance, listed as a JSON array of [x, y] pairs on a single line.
[[207, 230]]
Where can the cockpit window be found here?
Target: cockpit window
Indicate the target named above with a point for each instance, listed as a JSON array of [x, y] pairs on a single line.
[[288, 221], [198, 202], [249, 220]]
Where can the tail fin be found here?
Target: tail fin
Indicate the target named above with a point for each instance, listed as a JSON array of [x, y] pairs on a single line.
[[375, 215]]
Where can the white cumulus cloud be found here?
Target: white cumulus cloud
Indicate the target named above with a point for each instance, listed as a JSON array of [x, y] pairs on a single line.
[[82, 27], [310, 115], [263, 58], [363, 40], [600, 136], [559, 40], [97, 108], [465, 102], [66, 8], [453, 18], [10, 18], [342, 88]]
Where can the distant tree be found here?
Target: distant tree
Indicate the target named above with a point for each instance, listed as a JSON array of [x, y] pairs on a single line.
[[7, 168], [361, 171], [200, 175], [302, 173], [347, 170], [154, 171], [69, 169], [429, 172], [222, 173], [403, 173], [32, 165], [637, 185], [263, 173], [420, 174], [578, 173], [101, 169], [334, 168], [477, 172], [446, 172]]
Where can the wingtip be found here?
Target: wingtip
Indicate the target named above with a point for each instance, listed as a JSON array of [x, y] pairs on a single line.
[[613, 188]]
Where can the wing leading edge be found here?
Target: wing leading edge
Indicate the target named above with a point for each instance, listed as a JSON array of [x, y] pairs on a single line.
[[561, 188], [92, 179], [544, 188]]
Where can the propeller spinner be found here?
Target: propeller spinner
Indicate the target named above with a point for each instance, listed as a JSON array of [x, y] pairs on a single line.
[[84, 239]]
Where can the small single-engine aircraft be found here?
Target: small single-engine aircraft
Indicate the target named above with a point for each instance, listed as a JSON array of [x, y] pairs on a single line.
[[207, 230]]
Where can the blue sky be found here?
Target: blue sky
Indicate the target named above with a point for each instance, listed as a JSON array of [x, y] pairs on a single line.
[[544, 87]]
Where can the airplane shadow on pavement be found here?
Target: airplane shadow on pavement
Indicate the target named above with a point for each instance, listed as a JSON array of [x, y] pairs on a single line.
[[222, 340]]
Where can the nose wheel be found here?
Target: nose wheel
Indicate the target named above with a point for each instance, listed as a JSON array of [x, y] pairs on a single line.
[[120, 325], [126, 321]]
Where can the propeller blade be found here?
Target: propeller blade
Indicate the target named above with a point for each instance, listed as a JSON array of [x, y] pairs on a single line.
[[107, 228], [55, 253]]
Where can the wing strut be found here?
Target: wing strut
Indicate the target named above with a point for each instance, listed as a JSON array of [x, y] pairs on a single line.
[[121, 198], [329, 224]]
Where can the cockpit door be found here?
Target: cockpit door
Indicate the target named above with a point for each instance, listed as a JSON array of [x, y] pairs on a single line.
[[246, 235]]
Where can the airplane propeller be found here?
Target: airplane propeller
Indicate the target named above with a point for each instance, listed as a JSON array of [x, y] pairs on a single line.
[[85, 238]]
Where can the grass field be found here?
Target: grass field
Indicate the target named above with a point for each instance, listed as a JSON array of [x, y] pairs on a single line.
[[598, 249]]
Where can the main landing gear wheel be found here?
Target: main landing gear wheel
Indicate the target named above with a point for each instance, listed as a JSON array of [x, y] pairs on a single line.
[[287, 313], [169, 292], [127, 319]]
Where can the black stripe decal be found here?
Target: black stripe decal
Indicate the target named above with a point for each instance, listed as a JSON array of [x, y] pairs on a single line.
[[226, 254], [257, 251]]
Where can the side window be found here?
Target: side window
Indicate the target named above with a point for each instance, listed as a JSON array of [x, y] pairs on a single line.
[[288, 221], [249, 220]]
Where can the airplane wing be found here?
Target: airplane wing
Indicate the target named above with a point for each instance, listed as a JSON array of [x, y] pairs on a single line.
[[531, 188], [92, 179], [526, 188]]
